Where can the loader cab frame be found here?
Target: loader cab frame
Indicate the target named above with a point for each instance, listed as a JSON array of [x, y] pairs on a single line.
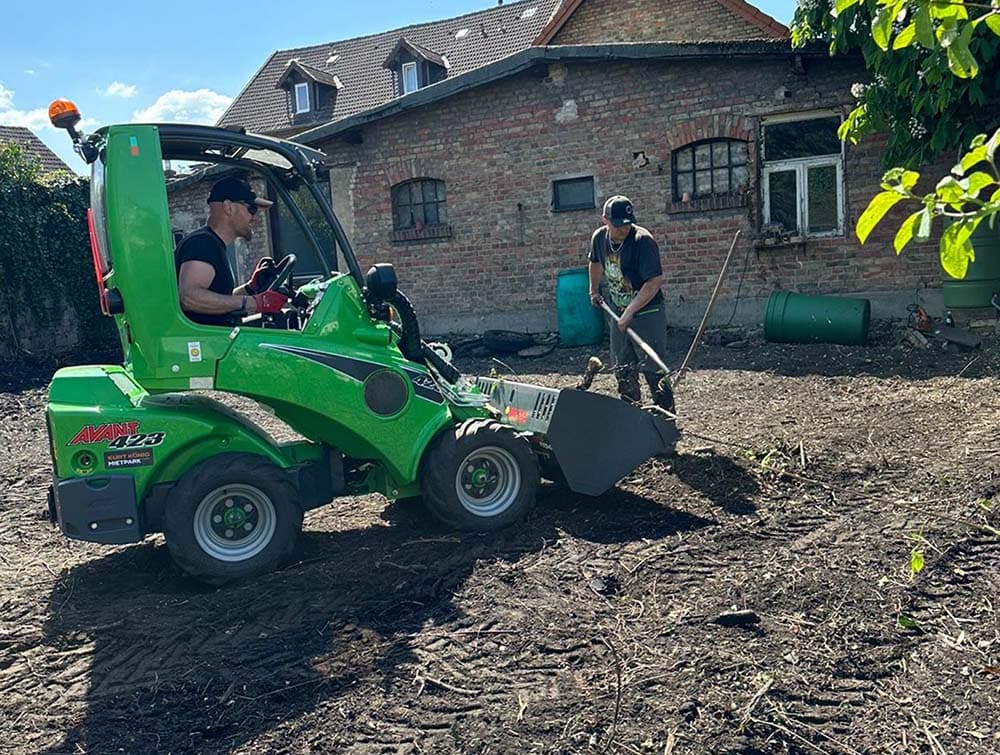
[[133, 240]]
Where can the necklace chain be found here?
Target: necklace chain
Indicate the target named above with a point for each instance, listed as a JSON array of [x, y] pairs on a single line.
[[617, 249]]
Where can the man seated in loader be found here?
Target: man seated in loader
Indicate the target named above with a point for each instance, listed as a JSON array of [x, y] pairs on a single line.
[[205, 281]]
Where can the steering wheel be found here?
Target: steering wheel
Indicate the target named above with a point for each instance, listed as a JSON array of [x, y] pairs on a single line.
[[283, 273]]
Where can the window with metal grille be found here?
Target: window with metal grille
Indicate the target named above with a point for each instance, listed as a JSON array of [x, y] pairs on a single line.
[[712, 168], [418, 203]]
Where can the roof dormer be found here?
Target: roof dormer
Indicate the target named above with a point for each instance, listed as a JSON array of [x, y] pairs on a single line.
[[414, 66], [311, 90]]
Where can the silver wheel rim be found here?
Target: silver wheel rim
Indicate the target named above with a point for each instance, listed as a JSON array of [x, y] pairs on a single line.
[[488, 481], [234, 522]]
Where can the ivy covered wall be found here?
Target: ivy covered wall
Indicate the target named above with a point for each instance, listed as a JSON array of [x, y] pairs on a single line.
[[49, 307]]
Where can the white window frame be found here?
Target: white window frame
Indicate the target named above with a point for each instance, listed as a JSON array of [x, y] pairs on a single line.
[[407, 67], [303, 90], [801, 167]]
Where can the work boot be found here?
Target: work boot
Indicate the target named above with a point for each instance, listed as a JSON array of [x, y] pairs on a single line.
[[660, 390], [628, 384]]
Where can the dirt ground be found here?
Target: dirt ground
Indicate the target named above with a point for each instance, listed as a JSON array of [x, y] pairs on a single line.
[[808, 480]]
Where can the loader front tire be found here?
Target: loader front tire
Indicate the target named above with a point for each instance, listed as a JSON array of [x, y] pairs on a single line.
[[231, 517], [479, 476]]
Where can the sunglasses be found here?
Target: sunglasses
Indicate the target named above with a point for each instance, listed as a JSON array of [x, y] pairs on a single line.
[[251, 207]]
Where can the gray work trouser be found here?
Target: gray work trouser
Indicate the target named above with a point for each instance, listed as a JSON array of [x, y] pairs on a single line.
[[629, 360]]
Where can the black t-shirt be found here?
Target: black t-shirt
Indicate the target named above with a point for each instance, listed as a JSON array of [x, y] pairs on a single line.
[[204, 245], [628, 265]]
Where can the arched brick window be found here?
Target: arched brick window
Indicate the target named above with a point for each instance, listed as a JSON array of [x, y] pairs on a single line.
[[715, 167], [418, 204]]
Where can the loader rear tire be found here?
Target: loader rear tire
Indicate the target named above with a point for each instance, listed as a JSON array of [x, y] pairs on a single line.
[[231, 517], [479, 476]]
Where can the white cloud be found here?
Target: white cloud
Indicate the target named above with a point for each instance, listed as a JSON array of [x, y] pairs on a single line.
[[118, 89], [6, 97], [36, 119], [30, 71], [177, 106]]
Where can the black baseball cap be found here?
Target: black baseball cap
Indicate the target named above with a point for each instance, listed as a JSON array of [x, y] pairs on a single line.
[[618, 210], [236, 190]]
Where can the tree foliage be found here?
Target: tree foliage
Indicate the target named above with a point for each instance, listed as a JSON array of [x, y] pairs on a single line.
[[934, 89], [924, 57], [45, 259]]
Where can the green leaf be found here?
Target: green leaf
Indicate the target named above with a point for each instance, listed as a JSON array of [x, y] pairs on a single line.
[[909, 179], [971, 159], [961, 61], [882, 26], [843, 5], [950, 190], [923, 231], [881, 204], [993, 22], [956, 249], [916, 561], [905, 233], [924, 27], [979, 181], [906, 622], [992, 144], [905, 38]]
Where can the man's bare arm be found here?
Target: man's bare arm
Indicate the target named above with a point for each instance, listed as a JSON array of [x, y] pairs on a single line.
[[193, 282]]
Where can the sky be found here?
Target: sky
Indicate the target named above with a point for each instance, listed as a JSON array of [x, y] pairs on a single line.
[[177, 60]]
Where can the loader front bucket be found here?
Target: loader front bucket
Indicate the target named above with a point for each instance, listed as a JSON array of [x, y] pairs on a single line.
[[597, 439]]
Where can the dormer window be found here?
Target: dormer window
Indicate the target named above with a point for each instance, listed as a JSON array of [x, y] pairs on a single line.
[[311, 90], [302, 98], [410, 82], [415, 66]]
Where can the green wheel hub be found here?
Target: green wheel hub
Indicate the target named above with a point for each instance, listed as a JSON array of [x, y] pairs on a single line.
[[488, 481]]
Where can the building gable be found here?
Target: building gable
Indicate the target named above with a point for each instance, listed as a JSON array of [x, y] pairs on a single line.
[[601, 21]]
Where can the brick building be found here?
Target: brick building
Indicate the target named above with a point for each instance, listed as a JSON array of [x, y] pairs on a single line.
[[483, 184]]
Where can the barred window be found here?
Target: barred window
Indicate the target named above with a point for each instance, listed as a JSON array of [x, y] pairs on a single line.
[[418, 203], [710, 168]]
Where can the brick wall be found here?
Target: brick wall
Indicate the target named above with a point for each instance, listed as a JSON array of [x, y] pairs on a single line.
[[676, 21], [498, 147]]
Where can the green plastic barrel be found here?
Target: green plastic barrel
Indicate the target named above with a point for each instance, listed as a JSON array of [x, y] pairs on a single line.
[[580, 323], [798, 318], [982, 279]]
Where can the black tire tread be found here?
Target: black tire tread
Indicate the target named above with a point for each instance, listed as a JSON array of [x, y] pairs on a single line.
[[207, 475], [438, 475]]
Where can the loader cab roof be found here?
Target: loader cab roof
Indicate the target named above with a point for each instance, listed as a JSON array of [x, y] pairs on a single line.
[[208, 144]]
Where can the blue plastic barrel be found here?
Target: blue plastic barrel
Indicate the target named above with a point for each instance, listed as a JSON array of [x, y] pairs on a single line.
[[580, 323]]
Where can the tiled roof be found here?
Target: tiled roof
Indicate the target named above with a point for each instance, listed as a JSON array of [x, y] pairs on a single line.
[[489, 35], [416, 50], [35, 146], [311, 72]]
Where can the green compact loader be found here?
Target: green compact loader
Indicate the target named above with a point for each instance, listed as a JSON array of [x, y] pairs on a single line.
[[139, 449]]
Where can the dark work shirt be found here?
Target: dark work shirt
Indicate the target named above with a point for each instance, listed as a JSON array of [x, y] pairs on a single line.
[[204, 245], [627, 266]]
